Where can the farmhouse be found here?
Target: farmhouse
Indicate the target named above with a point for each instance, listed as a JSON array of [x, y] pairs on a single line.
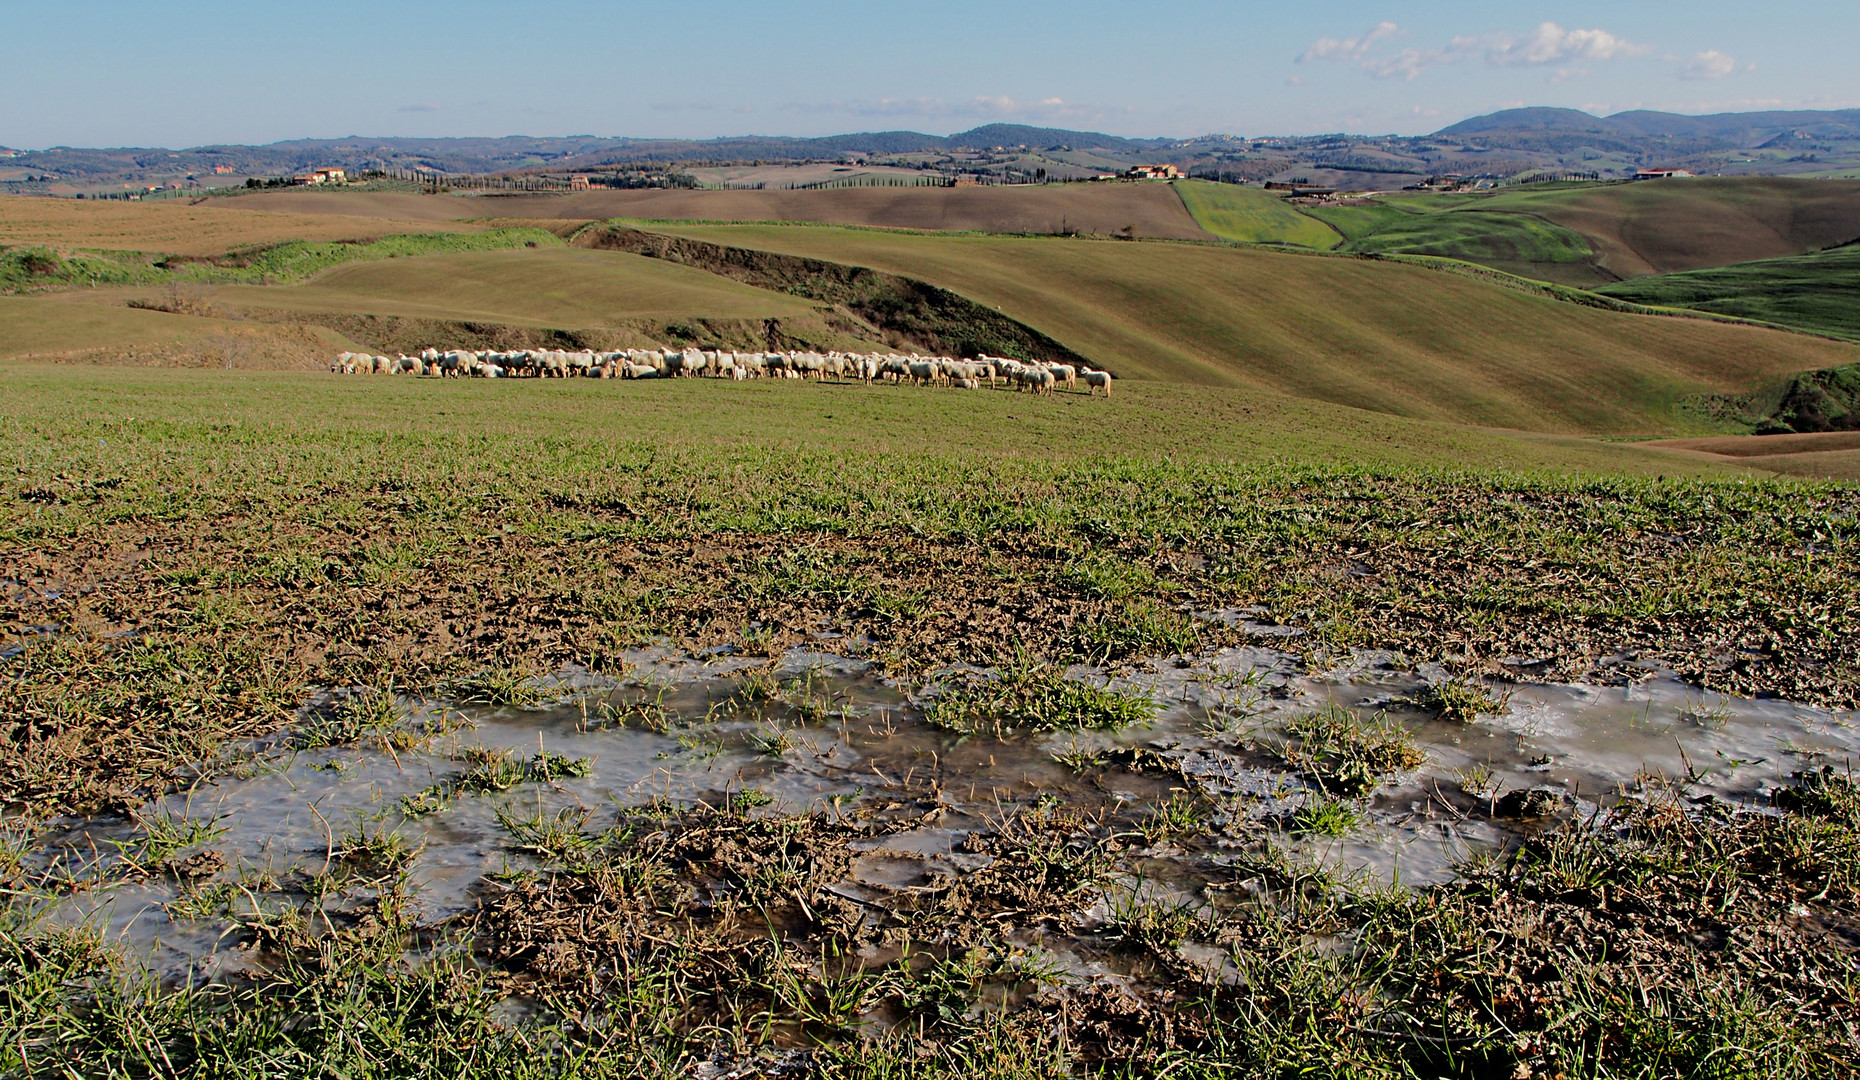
[[577, 183], [1660, 174], [322, 176], [1152, 172]]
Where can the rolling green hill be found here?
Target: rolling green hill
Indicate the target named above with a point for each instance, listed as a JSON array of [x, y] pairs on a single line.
[[1596, 234], [1252, 215], [1393, 338], [1819, 292]]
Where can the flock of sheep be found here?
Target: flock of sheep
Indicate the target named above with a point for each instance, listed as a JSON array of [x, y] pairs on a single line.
[[1033, 376]]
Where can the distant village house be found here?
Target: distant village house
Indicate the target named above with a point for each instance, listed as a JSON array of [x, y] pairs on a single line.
[[1660, 174], [1152, 172], [577, 183], [322, 176]]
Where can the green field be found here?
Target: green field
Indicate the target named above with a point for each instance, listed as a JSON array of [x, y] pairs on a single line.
[[1251, 215], [1819, 292], [1396, 339], [222, 544], [1594, 234], [558, 288], [1515, 243]]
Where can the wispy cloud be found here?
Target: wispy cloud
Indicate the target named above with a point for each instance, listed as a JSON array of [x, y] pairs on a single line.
[[1351, 48], [1549, 44], [422, 107], [1710, 64]]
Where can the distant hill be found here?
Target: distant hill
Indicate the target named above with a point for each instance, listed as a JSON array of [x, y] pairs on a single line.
[[494, 155], [1531, 143], [1525, 128]]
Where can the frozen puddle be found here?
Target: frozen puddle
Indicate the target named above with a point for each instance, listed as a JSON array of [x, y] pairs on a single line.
[[459, 785]]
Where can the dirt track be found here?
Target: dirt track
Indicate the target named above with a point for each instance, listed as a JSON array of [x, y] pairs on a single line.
[[1148, 210]]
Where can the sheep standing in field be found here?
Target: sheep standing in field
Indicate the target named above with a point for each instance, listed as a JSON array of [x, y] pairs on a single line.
[[1034, 377]]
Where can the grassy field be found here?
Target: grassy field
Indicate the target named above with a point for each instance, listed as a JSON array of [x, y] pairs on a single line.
[[1814, 292], [1516, 243], [557, 288], [1252, 215], [211, 546], [1397, 339]]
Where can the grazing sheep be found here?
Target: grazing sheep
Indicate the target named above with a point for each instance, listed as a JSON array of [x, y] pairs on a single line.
[[1035, 377]]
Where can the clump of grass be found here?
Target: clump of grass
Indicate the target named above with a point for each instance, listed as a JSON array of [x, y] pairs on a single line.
[[373, 846], [1825, 794], [1181, 817], [750, 799], [1320, 815], [1133, 628], [1462, 700], [492, 769], [1103, 576], [350, 719], [548, 765], [1034, 697], [1346, 754], [759, 687], [163, 835], [1477, 782], [648, 713], [770, 741], [499, 686], [427, 801], [557, 836]]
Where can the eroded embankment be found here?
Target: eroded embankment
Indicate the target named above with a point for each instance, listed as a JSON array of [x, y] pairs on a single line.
[[794, 863], [918, 313]]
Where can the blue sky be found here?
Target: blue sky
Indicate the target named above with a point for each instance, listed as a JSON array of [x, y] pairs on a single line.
[[180, 73]]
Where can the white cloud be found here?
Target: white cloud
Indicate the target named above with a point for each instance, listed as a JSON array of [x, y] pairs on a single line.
[[1354, 48], [1710, 64], [1549, 44], [1407, 64]]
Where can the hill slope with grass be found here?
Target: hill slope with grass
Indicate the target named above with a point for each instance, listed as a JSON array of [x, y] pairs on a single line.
[[1374, 335], [1590, 234], [1252, 215], [1819, 292]]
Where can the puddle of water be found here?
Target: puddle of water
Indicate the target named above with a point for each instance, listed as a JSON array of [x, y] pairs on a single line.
[[840, 738]]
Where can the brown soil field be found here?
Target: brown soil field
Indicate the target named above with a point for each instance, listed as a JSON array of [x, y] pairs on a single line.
[[1665, 227], [179, 228], [1149, 210], [1832, 455]]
